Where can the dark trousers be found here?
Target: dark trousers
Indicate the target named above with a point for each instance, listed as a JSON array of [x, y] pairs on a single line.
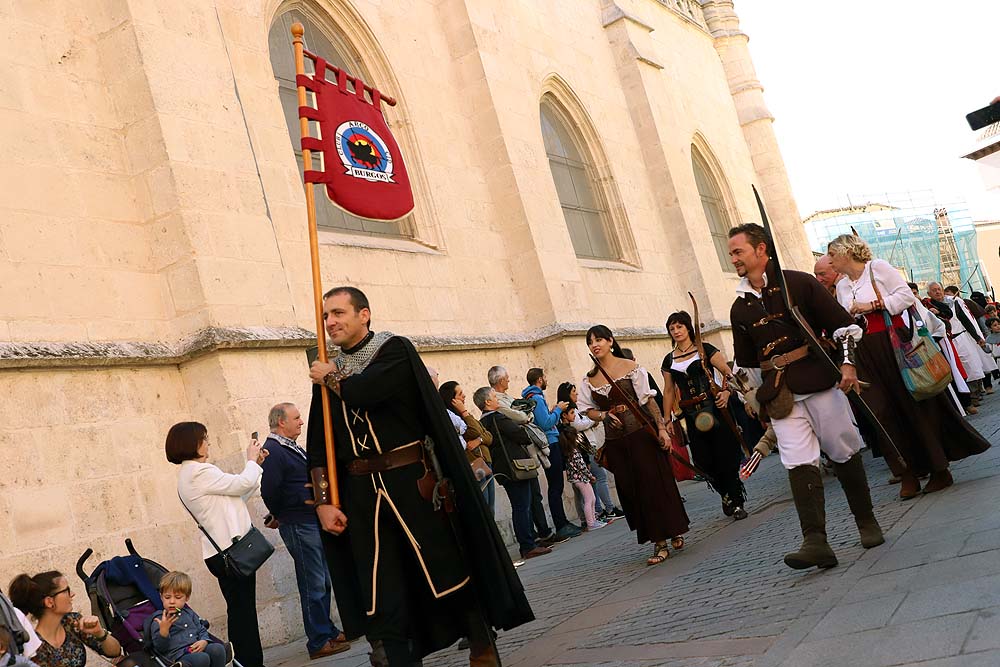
[[554, 475], [538, 510], [241, 611], [519, 494]]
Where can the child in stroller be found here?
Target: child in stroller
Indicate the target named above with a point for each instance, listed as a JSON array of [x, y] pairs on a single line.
[[179, 634], [124, 594]]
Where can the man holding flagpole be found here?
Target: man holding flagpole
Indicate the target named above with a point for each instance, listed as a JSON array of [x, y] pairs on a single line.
[[416, 558]]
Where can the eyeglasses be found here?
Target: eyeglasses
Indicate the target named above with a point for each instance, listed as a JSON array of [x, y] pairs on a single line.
[[60, 592]]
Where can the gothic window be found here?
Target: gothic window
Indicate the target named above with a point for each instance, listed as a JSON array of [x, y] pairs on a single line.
[[579, 195], [331, 46], [714, 206]]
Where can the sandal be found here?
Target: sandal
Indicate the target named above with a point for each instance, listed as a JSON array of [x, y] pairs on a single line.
[[660, 554], [677, 543]]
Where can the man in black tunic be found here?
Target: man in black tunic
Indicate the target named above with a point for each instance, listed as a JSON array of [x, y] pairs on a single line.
[[416, 559], [801, 394]]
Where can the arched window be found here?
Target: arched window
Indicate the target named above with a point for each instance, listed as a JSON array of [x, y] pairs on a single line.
[[573, 173], [714, 205], [326, 43]]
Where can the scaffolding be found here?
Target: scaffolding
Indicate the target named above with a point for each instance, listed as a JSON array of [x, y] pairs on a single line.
[[927, 238]]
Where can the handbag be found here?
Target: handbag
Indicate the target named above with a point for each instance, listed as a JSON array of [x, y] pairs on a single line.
[[245, 555], [480, 468], [521, 470], [925, 371]]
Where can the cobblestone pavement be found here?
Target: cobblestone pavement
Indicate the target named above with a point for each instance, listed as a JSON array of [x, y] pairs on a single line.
[[930, 596]]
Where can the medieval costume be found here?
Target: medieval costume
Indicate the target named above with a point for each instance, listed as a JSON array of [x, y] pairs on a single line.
[[716, 450], [643, 476], [421, 563], [798, 392], [928, 434], [963, 335]]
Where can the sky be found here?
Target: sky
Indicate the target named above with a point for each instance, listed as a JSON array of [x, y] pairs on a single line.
[[870, 97]]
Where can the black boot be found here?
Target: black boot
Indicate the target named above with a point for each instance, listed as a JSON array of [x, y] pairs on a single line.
[[807, 491], [852, 477]]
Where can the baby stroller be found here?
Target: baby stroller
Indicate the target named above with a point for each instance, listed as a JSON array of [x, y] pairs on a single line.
[[124, 593]]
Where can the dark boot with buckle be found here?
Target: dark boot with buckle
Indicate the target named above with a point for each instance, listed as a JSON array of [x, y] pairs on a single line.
[[807, 491], [859, 498]]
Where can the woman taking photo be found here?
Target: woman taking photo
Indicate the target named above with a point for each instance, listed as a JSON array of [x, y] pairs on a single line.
[[63, 632], [713, 444], [217, 501], [928, 434], [638, 460]]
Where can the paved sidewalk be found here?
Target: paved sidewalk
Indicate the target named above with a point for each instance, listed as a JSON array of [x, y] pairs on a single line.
[[930, 596]]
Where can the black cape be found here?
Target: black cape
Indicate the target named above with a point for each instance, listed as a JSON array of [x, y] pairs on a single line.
[[495, 583]]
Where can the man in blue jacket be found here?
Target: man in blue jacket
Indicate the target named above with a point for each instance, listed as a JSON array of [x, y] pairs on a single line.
[[283, 488], [547, 420]]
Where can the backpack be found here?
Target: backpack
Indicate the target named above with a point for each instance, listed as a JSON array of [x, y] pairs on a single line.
[[11, 625], [536, 434]]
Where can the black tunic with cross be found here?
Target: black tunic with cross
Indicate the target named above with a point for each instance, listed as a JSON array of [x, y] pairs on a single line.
[[402, 569]]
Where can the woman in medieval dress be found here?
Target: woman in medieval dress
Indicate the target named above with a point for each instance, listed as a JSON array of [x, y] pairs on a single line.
[[927, 434], [714, 445], [639, 460]]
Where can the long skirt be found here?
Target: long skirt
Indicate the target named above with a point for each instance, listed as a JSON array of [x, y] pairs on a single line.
[[646, 487], [718, 453], [928, 433]]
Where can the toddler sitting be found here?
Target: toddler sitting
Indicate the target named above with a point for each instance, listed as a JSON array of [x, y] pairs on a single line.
[[179, 634]]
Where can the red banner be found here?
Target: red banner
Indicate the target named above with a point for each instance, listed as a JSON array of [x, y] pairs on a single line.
[[363, 169]]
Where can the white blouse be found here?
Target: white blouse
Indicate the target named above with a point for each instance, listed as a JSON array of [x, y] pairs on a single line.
[[896, 294], [218, 500], [640, 383]]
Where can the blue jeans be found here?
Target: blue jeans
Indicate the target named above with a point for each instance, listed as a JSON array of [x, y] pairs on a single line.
[[313, 578], [490, 493], [214, 655], [601, 489], [519, 493]]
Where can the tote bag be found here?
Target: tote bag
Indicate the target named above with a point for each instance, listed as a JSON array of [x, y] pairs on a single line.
[[925, 371]]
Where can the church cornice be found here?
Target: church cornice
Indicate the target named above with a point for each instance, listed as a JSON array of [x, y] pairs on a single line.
[[118, 354]]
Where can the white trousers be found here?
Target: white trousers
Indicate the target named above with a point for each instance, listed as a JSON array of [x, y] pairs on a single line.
[[820, 421]]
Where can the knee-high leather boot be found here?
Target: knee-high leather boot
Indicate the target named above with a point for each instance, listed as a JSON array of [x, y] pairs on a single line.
[[852, 477], [807, 491]]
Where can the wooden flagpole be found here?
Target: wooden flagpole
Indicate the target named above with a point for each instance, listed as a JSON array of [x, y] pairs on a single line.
[[331, 461]]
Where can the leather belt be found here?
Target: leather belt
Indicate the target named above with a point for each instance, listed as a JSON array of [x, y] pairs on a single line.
[[693, 401], [780, 361], [397, 458]]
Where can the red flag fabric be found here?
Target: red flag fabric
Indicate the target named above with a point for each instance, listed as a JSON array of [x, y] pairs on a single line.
[[363, 169]]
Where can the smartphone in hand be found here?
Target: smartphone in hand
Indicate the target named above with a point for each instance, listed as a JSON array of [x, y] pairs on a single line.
[[254, 435]]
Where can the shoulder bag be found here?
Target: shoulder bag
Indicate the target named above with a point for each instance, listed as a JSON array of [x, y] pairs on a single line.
[[245, 555], [925, 371], [521, 469]]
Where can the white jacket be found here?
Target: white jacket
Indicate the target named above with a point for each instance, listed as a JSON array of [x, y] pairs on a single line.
[[218, 500]]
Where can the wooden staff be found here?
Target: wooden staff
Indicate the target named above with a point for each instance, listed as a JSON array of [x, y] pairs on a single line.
[[331, 461]]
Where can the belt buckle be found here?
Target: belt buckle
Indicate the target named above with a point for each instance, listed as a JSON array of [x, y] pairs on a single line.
[[776, 365]]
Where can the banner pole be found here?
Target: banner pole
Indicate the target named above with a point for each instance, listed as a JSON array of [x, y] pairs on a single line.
[[331, 462]]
